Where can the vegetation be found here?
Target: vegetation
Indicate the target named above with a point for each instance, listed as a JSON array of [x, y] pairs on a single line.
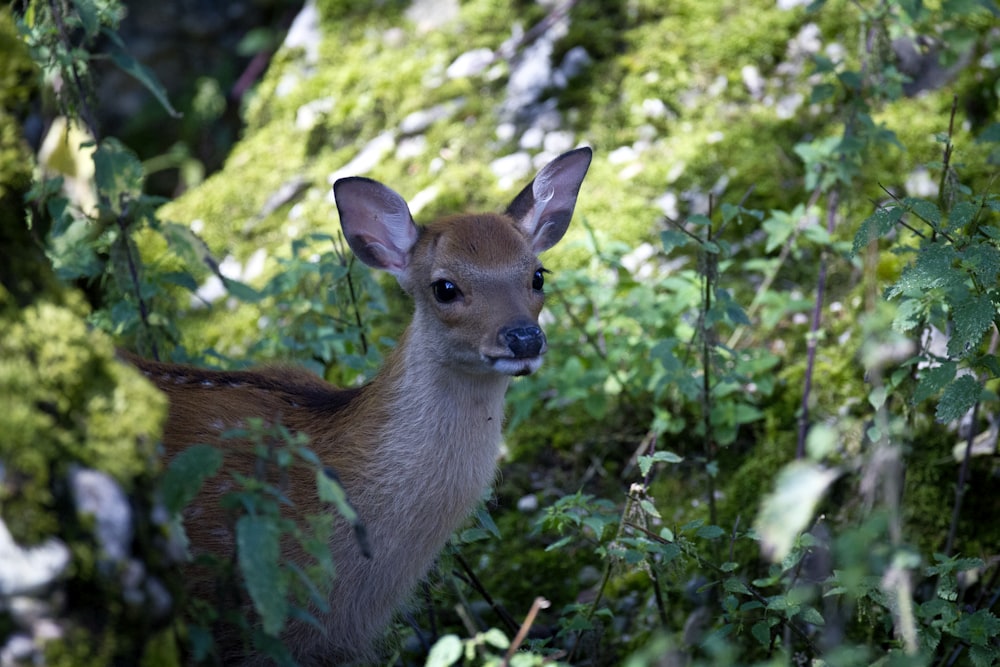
[[766, 430]]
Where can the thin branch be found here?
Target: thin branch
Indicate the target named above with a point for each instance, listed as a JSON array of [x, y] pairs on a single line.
[[470, 578], [536, 606], [812, 341]]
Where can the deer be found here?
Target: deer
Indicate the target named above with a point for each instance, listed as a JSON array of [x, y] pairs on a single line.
[[416, 447]]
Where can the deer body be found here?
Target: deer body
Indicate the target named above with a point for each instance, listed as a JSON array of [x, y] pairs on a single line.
[[416, 447]]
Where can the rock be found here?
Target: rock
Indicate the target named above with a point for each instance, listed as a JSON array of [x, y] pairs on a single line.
[[470, 63], [27, 570], [97, 495], [368, 158], [511, 168]]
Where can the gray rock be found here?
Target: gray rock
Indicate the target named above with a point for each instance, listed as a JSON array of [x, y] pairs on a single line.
[[28, 570], [97, 495]]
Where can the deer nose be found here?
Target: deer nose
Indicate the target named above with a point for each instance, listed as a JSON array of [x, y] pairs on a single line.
[[523, 342]]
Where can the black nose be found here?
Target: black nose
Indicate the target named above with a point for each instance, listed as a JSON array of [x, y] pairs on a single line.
[[523, 342]]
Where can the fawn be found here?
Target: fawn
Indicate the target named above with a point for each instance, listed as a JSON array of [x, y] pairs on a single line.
[[414, 448]]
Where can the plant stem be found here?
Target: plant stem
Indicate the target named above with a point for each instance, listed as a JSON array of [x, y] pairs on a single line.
[[813, 339]]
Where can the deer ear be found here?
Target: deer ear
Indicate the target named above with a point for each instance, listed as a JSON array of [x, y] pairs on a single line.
[[544, 208], [376, 222]]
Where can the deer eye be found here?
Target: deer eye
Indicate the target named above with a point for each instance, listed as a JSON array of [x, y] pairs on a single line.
[[538, 281], [445, 291]]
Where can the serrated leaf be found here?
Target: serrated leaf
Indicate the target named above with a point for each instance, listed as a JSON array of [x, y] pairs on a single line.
[[445, 652], [973, 317], [185, 475], [983, 259], [958, 398], [878, 224], [925, 210], [961, 214], [933, 380], [258, 540], [909, 315], [933, 268], [978, 628]]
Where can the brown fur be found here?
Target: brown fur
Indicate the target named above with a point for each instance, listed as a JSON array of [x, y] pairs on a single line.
[[415, 448]]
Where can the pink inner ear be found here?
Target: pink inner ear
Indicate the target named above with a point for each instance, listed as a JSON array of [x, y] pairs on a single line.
[[376, 222]]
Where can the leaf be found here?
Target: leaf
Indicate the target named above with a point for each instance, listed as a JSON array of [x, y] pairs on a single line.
[[933, 268], [958, 398], [991, 133], [878, 224], [258, 540], [973, 317], [925, 210], [186, 473], [932, 380], [761, 631], [330, 491], [788, 510], [983, 259], [710, 532], [126, 63], [646, 462], [672, 238], [978, 628], [241, 290], [118, 174], [445, 652], [909, 315]]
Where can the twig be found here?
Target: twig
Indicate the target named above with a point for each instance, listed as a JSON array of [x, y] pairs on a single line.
[[812, 340], [471, 579], [536, 606]]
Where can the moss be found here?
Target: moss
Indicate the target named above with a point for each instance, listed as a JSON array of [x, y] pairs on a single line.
[[68, 401]]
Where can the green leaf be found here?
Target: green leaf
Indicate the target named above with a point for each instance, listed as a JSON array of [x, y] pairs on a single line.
[[761, 631], [118, 173], [983, 259], [991, 133], [126, 63], [909, 315], [933, 380], [878, 224], [331, 491], [812, 616], [933, 268], [672, 238], [646, 462], [710, 532], [186, 473], [973, 316], [258, 539], [958, 398], [445, 652], [978, 628], [241, 290], [925, 210]]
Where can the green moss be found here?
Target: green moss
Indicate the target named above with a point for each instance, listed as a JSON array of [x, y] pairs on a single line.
[[68, 401]]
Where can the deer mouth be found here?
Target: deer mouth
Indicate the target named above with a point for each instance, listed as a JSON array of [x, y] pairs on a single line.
[[516, 366]]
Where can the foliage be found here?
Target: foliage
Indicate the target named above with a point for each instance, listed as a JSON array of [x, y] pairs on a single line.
[[736, 471]]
